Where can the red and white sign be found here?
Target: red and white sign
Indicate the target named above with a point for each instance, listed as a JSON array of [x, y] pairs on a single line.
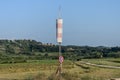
[[59, 23], [61, 59]]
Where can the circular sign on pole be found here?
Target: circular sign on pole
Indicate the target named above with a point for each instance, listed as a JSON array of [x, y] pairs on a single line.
[[61, 59]]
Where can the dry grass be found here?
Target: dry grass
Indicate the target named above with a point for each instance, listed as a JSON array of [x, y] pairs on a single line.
[[45, 70]]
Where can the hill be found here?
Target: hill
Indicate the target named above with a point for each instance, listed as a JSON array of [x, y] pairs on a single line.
[[17, 50]]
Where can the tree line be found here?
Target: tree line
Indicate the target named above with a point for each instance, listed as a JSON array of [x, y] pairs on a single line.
[[31, 49]]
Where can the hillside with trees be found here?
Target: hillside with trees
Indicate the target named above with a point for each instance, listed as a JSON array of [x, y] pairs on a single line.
[[12, 51]]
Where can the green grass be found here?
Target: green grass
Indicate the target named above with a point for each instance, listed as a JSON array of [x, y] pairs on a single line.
[[45, 70], [32, 65]]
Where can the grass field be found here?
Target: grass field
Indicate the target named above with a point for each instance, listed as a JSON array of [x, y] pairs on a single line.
[[106, 61], [45, 70], [98, 73]]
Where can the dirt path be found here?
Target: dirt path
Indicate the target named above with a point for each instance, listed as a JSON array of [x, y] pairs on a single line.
[[103, 66]]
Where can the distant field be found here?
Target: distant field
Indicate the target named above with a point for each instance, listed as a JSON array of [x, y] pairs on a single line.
[[45, 70]]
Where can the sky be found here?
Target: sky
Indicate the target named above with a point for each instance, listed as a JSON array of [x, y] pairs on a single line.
[[86, 22]]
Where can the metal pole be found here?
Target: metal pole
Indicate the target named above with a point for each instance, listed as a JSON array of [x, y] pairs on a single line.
[[60, 49], [60, 54]]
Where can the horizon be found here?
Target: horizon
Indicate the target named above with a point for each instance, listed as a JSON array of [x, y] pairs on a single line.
[[92, 23], [62, 45]]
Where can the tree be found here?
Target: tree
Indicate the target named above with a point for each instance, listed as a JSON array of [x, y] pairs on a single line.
[[9, 49]]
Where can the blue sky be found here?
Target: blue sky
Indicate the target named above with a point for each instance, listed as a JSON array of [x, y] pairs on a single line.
[[86, 22]]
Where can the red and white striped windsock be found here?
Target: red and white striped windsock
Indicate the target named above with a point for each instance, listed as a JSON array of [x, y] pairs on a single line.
[[59, 23]]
